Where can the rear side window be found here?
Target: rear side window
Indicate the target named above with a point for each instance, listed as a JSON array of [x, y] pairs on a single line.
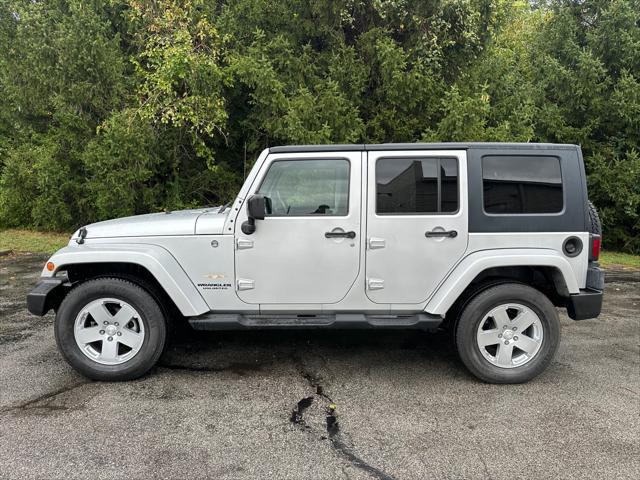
[[307, 187], [416, 185], [515, 184]]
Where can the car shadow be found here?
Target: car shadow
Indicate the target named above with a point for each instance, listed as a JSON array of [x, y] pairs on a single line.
[[245, 351]]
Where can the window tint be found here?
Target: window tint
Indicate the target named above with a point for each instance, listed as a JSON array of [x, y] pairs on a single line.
[[416, 185], [449, 185], [307, 187], [522, 184]]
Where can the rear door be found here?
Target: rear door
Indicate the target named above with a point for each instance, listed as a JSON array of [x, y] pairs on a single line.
[[416, 222]]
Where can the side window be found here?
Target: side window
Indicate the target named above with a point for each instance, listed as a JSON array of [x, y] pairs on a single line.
[[307, 187], [416, 185], [522, 184]]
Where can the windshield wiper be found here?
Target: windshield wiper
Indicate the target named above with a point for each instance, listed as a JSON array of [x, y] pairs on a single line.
[[224, 207]]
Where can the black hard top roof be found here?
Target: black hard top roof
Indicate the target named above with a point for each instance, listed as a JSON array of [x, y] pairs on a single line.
[[419, 146]]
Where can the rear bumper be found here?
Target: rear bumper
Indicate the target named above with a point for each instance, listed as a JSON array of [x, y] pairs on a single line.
[[588, 303], [584, 305], [46, 294]]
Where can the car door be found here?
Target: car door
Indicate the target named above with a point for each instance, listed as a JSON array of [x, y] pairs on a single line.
[[416, 222], [307, 250]]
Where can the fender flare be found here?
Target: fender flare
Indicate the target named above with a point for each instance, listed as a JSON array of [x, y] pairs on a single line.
[[472, 265], [157, 260]]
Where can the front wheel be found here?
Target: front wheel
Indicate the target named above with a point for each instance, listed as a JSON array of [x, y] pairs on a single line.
[[508, 333], [110, 329]]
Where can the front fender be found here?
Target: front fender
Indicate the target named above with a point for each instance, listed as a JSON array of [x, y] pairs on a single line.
[[157, 260], [474, 264]]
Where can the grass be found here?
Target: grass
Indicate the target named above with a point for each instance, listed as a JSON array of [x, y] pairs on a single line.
[[618, 259], [23, 241]]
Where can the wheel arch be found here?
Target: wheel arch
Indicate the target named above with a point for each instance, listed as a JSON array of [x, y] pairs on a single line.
[[152, 266], [544, 269], [133, 272]]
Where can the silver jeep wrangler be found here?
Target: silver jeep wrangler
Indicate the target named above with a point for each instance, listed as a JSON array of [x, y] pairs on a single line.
[[482, 239]]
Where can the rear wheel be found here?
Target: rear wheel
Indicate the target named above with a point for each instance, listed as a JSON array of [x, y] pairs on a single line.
[[508, 333], [110, 329]]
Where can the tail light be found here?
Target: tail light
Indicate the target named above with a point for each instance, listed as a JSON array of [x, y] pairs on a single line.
[[594, 250]]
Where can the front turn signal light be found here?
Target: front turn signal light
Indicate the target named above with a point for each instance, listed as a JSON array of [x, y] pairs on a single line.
[[51, 266]]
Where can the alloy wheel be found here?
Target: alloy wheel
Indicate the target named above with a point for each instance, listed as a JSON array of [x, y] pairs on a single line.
[[510, 335], [109, 331]]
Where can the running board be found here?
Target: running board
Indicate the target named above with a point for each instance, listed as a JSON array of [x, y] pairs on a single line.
[[236, 321]]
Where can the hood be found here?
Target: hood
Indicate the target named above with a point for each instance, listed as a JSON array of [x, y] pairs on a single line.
[[181, 222]]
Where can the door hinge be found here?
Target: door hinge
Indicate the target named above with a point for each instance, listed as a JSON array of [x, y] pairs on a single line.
[[243, 244], [245, 284], [375, 283], [375, 243]]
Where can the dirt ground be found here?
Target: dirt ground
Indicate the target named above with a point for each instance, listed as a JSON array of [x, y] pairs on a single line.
[[260, 404]]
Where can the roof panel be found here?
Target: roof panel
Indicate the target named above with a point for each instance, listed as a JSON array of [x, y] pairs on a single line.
[[418, 146]]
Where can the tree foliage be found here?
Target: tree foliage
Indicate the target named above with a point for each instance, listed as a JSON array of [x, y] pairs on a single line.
[[118, 107]]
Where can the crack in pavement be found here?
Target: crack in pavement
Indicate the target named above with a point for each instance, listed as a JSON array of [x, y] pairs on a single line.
[[298, 411], [358, 462], [47, 397], [334, 435]]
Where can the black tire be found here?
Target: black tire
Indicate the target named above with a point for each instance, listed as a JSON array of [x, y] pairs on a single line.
[[595, 225], [474, 312], [152, 316]]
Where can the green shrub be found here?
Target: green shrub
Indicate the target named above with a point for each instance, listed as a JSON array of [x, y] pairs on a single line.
[[120, 107]]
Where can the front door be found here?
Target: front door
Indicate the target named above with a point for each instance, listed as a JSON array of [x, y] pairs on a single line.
[[416, 222], [307, 250]]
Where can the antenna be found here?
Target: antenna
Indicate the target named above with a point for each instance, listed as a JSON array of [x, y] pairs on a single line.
[[244, 162]]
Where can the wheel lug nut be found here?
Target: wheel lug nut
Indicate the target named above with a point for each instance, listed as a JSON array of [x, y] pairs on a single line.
[[514, 328], [515, 338], [110, 338], [101, 332], [506, 342], [120, 333], [116, 324], [499, 335], [504, 327], [105, 322]]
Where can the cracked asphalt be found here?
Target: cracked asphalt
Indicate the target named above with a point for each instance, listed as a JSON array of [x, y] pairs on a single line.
[[320, 404]]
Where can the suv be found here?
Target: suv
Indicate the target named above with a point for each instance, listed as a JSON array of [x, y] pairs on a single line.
[[482, 239]]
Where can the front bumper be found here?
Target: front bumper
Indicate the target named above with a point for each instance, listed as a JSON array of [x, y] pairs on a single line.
[[584, 305], [46, 294]]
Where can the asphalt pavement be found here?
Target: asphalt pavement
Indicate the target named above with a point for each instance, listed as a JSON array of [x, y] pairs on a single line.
[[320, 404]]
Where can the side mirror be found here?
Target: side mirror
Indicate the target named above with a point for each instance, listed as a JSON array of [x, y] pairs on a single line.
[[257, 206]]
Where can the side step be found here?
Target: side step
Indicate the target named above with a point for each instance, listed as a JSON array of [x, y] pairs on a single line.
[[237, 321]]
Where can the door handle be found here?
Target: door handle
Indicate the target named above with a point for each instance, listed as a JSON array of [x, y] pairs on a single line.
[[441, 233], [340, 234]]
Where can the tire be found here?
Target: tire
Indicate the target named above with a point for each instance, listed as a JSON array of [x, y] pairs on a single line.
[[483, 321], [595, 225], [133, 347]]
